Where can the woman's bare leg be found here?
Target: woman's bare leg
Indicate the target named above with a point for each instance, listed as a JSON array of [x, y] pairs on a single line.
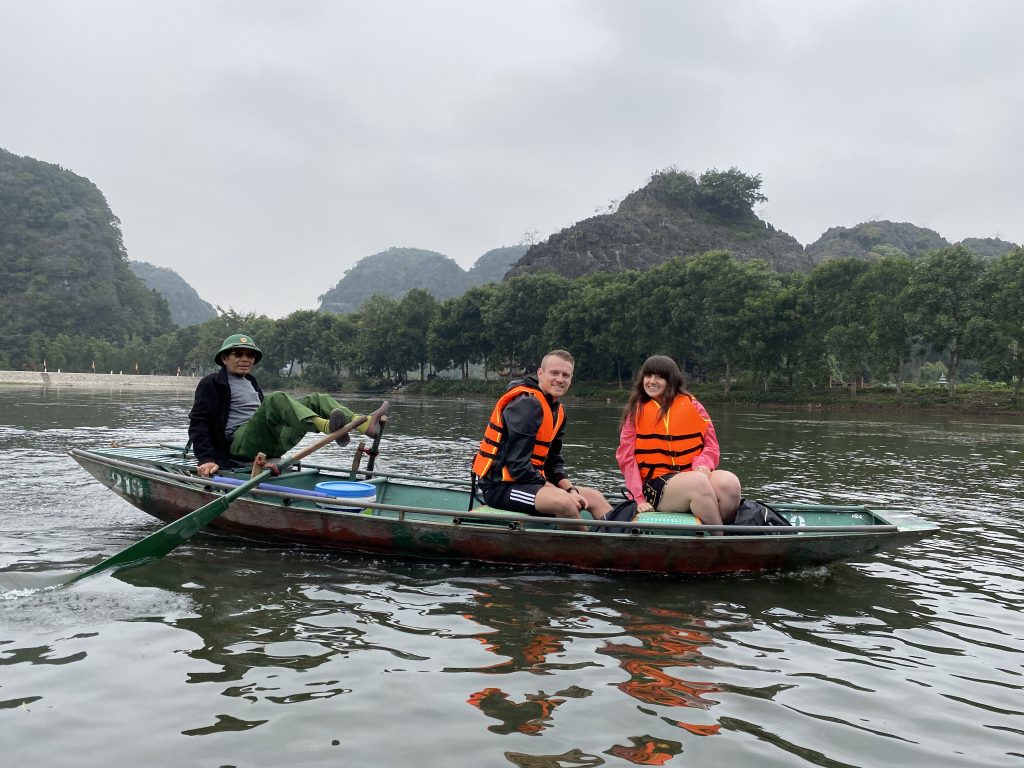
[[728, 491], [691, 492]]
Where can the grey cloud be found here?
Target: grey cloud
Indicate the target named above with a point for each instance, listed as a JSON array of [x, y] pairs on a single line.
[[261, 148]]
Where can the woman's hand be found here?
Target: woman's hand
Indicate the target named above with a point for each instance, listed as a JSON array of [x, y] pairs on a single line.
[[642, 507]]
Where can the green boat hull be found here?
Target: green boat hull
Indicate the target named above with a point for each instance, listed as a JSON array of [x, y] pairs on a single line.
[[431, 518]]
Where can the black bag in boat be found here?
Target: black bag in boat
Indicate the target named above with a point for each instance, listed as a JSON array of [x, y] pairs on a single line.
[[623, 512], [752, 512]]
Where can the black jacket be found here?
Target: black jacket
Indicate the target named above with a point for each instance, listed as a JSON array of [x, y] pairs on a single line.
[[208, 419], [523, 417]]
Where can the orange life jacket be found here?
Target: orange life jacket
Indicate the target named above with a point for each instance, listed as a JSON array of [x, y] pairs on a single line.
[[669, 444], [495, 435]]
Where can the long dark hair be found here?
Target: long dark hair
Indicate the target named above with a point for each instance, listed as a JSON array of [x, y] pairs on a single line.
[[666, 368]]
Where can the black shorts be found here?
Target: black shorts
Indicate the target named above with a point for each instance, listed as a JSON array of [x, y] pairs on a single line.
[[655, 487], [513, 497]]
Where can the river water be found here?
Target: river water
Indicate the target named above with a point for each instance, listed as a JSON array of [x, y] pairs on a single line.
[[226, 653]]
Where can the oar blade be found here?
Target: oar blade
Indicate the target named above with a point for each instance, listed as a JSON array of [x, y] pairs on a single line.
[[160, 543]]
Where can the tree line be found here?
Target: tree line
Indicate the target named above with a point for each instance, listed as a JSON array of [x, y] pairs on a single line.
[[849, 320]]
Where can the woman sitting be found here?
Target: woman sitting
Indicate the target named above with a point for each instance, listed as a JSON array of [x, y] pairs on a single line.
[[668, 452]]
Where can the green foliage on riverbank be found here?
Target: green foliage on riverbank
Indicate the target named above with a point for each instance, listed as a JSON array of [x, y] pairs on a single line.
[[969, 398], [741, 331]]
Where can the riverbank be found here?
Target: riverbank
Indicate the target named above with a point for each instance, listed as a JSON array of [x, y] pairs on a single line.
[[968, 399], [115, 380]]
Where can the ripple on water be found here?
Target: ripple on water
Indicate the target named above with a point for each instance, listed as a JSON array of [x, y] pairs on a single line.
[[229, 653]]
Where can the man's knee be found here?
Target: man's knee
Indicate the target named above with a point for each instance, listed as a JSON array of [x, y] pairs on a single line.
[[275, 398], [552, 500]]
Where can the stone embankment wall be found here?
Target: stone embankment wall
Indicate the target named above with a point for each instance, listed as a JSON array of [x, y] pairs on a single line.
[[98, 380]]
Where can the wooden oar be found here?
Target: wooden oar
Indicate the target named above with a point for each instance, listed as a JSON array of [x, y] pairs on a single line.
[[372, 451], [158, 544], [376, 443]]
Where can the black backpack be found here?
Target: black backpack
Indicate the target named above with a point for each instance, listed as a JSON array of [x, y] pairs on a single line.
[[752, 512], [623, 512]]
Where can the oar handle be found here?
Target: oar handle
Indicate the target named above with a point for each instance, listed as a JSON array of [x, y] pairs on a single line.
[[376, 443]]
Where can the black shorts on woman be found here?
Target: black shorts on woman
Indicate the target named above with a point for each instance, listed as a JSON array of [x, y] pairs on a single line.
[[655, 488]]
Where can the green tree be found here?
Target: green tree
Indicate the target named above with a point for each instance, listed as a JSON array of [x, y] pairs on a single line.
[[730, 194], [302, 338], [457, 337], [416, 311], [944, 300], [597, 322], [674, 187], [516, 316], [375, 348], [888, 345], [831, 299], [1004, 287], [773, 325], [725, 286], [665, 321]]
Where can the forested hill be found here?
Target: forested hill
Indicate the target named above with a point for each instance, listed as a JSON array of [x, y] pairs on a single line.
[[187, 308], [396, 271], [492, 266], [675, 214], [880, 238], [63, 262]]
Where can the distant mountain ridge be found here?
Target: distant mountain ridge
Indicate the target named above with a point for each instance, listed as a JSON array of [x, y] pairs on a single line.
[[66, 271], [187, 308], [872, 239], [396, 271]]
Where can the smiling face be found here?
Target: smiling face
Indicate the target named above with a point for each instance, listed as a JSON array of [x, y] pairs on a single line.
[[554, 375], [655, 386], [239, 361]]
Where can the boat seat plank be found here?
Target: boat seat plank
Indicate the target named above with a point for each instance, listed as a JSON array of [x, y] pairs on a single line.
[[672, 518]]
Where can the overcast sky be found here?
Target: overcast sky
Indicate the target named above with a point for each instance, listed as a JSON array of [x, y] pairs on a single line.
[[260, 148]]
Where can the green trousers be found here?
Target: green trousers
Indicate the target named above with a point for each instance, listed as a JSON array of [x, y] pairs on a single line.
[[281, 422]]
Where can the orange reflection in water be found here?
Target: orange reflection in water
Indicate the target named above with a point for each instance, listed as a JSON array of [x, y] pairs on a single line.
[[532, 653], [523, 717], [647, 750], [665, 646], [519, 635]]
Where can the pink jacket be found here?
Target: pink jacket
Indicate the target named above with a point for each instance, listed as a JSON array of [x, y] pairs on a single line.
[[626, 457]]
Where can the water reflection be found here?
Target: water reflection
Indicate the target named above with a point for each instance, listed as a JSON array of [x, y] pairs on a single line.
[[573, 758], [664, 646], [531, 716], [257, 654]]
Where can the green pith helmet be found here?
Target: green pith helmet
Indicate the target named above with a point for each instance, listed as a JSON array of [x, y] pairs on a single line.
[[238, 341]]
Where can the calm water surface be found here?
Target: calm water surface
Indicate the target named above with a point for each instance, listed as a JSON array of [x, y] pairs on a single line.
[[225, 653]]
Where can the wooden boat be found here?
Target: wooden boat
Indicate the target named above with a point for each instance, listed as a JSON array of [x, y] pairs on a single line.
[[431, 518]]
